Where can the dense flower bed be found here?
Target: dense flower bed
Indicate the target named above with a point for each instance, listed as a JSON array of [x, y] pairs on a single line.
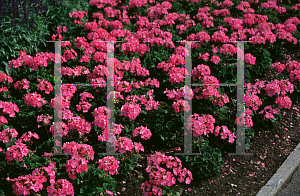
[[150, 95]]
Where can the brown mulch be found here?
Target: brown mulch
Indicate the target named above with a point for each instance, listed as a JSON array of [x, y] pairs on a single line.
[[244, 174]]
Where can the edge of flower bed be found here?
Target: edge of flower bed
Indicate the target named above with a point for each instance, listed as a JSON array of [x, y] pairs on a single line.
[[282, 175]]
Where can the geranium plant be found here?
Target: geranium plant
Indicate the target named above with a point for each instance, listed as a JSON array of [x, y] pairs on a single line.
[[150, 94]]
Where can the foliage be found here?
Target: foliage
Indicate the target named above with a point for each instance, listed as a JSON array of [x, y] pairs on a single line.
[[207, 163], [165, 123]]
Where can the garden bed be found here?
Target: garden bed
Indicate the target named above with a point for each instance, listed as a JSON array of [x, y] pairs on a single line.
[[242, 175]]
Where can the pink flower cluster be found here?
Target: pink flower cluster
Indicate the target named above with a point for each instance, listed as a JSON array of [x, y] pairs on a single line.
[[253, 101], [68, 55], [136, 3], [177, 74], [181, 105], [254, 88], [60, 187], [249, 58], [294, 68], [100, 118], [276, 87], [80, 125], [3, 120], [220, 36], [211, 93], [246, 117], [5, 78], [183, 92], [118, 130], [120, 144], [44, 119], [65, 129], [235, 23], [77, 164], [225, 133], [3, 89], [283, 102], [16, 63], [16, 152], [243, 6], [61, 29], [135, 67], [130, 110], [44, 86], [85, 106], [160, 177], [182, 28], [159, 9], [272, 5], [205, 125], [110, 164], [22, 85], [144, 132], [85, 95], [227, 3], [133, 45], [204, 16], [278, 66], [204, 56], [27, 137], [68, 90], [111, 13], [201, 125], [295, 7], [228, 49], [79, 150], [286, 86], [77, 15], [150, 104], [25, 185], [215, 59], [9, 108], [7, 134], [176, 59], [33, 183], [40, 60], [295, 75], [101, 4], [269, 111], [64, 100], [80, 155], [222, 12], [124, 144], [200, 72], [34, 100], [149, 36]]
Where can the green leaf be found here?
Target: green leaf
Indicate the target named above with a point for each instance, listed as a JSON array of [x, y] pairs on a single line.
[[279, 115], [2, 51], [7, 70]]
